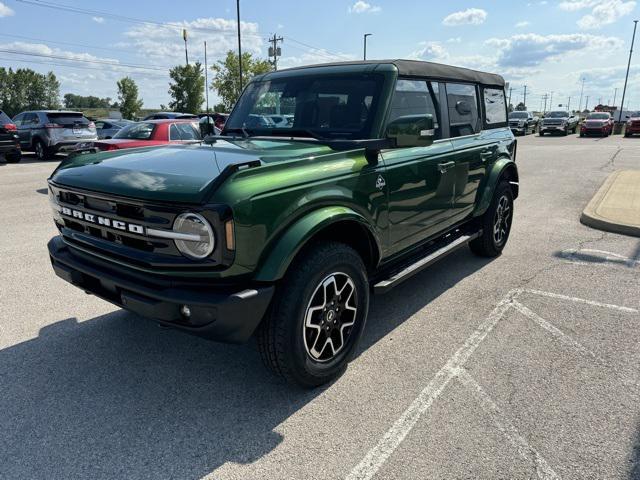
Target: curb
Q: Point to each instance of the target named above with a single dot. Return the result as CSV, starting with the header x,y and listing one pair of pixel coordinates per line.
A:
x,y
591,218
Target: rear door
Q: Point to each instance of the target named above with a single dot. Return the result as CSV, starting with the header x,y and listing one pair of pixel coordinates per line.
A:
x,y
474,147
26,124
419,180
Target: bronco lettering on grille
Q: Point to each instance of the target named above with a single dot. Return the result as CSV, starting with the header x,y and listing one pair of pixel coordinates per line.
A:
x,y
104,221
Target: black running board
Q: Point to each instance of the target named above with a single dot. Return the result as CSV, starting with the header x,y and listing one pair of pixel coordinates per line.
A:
x,y
387,284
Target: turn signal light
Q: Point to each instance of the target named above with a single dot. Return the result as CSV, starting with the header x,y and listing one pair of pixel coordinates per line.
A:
x,y
229,235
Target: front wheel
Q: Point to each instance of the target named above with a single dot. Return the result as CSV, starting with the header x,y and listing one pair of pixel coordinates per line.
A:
x,y
14,157
496,223
317,316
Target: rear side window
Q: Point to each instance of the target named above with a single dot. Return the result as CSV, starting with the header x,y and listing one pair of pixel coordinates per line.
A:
x,y
416,97
18,119
67,118
4,118
183,131
462,100
495,107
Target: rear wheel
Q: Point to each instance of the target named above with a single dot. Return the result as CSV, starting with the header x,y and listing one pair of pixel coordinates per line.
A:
x,y
496,223
317,316
41,150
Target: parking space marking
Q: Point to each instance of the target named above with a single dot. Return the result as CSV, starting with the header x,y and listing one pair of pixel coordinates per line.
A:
x,y
581,300
601,258
529,453
555,331
454,368
378,455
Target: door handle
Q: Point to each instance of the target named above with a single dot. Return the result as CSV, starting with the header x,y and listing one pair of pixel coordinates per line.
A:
x,y
486,155
443,167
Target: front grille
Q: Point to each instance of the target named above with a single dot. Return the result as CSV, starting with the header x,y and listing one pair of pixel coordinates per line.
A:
x,y
553,122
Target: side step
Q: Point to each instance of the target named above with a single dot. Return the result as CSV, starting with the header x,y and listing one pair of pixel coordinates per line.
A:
x,y
384,286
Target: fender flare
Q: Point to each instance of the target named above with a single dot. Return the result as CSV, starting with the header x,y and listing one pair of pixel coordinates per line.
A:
x,y
502,166
297,235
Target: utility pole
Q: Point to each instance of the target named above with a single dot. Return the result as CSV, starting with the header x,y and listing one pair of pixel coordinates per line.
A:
x,y
525,97
615,95
365,44
624,90
184,37
275,50
586,104
551,101
239,46
206,79
581,92
569,104
510,90
545,97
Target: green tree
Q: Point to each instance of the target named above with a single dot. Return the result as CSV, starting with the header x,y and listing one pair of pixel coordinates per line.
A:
x,y
25,89
79,101
128,98
521,107
187,88
226,76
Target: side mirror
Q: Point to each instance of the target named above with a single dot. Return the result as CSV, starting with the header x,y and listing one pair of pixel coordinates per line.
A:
x,y
412,131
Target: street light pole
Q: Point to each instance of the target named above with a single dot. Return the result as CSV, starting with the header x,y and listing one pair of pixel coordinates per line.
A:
x,y
624,90
581,92
206,78
365,44
239,45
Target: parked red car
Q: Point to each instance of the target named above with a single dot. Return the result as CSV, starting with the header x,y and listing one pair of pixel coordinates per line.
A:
x,y
633,125
597,123
151,133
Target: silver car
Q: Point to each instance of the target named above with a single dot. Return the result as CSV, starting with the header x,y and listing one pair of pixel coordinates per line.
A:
x,y
47,132
108,127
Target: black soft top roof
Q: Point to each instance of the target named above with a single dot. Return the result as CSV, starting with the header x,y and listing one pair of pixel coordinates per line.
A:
x,y
417,68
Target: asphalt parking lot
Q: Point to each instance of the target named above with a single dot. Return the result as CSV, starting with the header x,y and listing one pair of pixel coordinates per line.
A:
x,y
525,366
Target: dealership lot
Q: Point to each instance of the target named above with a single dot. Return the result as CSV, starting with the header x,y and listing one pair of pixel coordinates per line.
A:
x,y
524,366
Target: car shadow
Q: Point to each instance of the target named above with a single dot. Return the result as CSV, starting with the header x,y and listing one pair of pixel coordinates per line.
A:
x,y
119,397
635,457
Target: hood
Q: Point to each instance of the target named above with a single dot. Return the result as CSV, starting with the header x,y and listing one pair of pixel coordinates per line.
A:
x,y
176,173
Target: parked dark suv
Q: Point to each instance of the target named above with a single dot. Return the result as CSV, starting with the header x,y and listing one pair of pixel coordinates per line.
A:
x,y
47,132
522,122
285,230
9,140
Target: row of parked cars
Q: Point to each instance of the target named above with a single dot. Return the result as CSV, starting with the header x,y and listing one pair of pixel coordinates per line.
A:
x,y
564,122
47,132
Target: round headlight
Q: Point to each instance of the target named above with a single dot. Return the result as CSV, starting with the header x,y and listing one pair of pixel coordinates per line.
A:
x,y
198,241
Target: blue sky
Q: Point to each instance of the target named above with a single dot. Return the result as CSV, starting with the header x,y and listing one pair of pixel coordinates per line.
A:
x,y
547,45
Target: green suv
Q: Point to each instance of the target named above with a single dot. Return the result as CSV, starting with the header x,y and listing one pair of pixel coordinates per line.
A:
x,y
283,230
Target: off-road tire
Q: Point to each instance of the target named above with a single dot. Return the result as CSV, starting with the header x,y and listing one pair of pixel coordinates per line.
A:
x,y
566,131
486,245
281,335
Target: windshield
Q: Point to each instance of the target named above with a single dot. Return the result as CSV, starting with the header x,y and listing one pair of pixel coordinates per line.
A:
x,y
598,116
327,106
518,115
136,131
557,115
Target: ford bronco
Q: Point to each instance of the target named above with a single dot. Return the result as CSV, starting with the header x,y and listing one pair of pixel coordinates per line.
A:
x,y
283,230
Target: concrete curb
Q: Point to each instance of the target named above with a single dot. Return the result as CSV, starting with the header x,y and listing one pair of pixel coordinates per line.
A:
x,y
604,211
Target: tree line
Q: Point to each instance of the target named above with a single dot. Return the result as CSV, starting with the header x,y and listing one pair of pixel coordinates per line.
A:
x,y
24,89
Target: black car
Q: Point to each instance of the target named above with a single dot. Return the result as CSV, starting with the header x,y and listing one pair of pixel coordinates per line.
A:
x,y
9,139
168,115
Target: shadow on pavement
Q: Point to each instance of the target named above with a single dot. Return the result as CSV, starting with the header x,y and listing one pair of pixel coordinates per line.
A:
x,y
635,458
118,397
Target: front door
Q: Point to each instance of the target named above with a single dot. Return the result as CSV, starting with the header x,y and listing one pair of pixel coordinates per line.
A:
x,y
420,180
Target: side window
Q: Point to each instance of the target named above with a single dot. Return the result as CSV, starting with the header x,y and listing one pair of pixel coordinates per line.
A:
x,y
18,119
416,97
187,131
462,100
30,119
495,108
174,134
101,125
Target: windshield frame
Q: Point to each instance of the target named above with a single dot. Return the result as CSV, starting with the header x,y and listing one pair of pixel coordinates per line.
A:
x,y
119,135
370,128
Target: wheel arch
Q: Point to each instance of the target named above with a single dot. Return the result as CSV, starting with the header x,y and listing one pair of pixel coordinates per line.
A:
x,y
340,224
503,169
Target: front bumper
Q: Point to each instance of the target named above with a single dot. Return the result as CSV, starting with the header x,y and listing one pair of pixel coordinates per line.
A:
x,y
219,313
518,129
553,128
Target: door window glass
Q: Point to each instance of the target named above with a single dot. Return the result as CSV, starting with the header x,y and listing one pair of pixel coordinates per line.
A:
x,y
18,119
174,133
462,102
188,131
495,106
416,97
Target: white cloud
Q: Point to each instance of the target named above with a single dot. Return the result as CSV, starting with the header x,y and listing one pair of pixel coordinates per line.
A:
x,y
5,11
363,7
98,19
454,40
312,57
603,12
470,16
530,50
430,51
522,24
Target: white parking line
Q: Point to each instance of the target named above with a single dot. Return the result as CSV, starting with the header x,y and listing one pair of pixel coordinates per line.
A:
x,y
582,300
379,454
601,258
555,331
543,469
